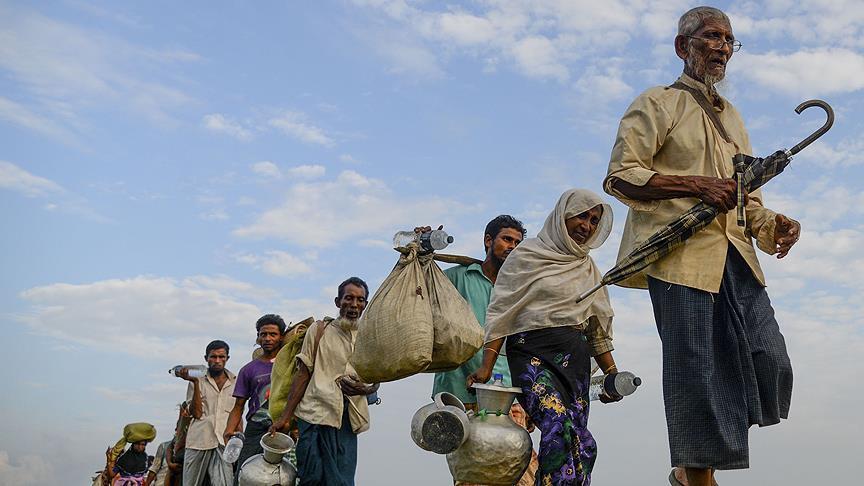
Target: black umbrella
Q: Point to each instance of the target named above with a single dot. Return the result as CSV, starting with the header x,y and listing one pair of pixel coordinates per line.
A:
x,y
751,174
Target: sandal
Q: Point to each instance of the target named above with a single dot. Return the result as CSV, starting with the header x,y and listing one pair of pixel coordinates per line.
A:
x,y
674,481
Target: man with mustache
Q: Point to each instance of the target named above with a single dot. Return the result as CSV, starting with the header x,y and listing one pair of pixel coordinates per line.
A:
x,y
475,282
725,365
327,397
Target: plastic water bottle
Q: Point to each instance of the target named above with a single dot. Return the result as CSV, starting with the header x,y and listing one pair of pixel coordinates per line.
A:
x,y
430,241
623,383
195,371
233,448
498,380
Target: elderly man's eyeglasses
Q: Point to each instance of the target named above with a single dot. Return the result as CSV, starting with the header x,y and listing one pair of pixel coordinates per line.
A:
x,y
717,43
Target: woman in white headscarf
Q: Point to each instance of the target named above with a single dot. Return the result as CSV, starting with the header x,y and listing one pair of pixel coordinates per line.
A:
x,y
550,338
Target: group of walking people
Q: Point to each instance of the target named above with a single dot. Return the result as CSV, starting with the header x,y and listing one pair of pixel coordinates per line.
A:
x,y
725,364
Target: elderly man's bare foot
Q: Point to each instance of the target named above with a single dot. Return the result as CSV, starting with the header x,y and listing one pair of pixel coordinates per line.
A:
x,y
678,477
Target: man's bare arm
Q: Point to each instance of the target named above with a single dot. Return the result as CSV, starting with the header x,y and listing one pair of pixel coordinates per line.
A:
x,y
235,419
714,191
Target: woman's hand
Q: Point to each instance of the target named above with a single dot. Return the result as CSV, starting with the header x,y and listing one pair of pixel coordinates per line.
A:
x,y
480,376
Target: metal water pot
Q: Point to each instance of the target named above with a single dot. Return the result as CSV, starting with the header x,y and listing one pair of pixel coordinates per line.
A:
x,y
272,467
497,450
440,426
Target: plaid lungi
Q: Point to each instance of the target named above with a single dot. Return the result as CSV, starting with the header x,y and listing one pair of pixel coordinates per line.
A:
x,y
725,366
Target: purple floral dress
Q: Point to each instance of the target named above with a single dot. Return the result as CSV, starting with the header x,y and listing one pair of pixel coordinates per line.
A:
x,y
553,368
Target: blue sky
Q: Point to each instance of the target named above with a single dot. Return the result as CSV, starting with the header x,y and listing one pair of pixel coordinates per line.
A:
x,y
168,173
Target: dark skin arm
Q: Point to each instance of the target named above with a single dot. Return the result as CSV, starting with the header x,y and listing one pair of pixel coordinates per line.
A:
x,y
174,467
295,394
716,192
235,419
196,407
713,191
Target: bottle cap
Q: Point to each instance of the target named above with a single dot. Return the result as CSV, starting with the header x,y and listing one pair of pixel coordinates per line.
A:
x,y
497,376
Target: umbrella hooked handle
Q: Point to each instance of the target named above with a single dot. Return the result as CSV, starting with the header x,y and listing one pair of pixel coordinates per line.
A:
x,y
818,133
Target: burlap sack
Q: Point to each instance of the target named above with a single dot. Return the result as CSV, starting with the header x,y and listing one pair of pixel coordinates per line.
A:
x,y
458,335
285,367
133,433
395,337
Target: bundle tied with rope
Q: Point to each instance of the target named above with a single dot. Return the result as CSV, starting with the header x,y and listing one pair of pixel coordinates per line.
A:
x,y
416,322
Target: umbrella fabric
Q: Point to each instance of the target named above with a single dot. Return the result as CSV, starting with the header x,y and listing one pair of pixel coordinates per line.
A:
x,y
756,172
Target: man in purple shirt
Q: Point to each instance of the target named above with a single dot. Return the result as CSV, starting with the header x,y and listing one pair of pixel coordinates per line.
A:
x,y
253,386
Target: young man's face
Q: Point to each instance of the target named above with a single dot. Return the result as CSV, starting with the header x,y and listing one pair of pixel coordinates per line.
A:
x,y
216,360
352,302
504,242
269,337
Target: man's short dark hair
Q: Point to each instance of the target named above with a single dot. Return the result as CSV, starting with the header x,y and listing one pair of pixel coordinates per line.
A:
x,y
270,319
357,281
217,344
500,222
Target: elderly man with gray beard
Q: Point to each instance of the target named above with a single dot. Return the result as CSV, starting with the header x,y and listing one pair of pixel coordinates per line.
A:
x,y
725,365
326,396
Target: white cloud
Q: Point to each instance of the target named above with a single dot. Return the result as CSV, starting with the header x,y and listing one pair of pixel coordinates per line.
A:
x,y
322,214
277,262
147,316
267,169
537,56
55,197
220,123
25,117
19,180
26,470
69,71
308,171
807,73
348,159
296,125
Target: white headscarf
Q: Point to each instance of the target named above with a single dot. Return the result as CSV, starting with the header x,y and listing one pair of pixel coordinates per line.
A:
x,y
540,280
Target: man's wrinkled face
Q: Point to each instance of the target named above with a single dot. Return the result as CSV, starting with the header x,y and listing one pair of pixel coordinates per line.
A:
x,y
706,63
269,337
352,302
216,360
504,242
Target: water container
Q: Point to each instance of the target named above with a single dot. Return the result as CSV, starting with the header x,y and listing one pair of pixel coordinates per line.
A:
x,y
623,384
233,448
498,379
195,371
434,240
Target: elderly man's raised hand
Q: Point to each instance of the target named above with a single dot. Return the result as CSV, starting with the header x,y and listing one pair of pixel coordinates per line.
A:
x,y
720,193
786,233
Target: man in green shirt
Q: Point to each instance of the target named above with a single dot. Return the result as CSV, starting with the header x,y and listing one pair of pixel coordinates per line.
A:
x,y
474,282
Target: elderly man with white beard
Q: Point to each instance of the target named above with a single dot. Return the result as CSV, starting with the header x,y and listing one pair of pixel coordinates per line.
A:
x,y
327,397
725,365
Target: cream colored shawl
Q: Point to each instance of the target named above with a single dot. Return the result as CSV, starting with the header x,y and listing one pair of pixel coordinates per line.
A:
x,y
540,279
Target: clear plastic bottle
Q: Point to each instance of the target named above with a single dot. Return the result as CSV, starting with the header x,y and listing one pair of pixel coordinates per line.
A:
x,y
623,383
195,371
233,448
429,241
498,379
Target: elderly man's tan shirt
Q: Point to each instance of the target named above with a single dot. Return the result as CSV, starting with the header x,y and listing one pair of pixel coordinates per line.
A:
x,y
206,433
323,403
665,131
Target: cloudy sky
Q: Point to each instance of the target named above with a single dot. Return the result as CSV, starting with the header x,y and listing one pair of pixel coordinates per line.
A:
x,y
168,173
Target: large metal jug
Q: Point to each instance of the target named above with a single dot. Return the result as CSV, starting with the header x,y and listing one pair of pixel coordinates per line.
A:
x,y
272,467
497,450
440,426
